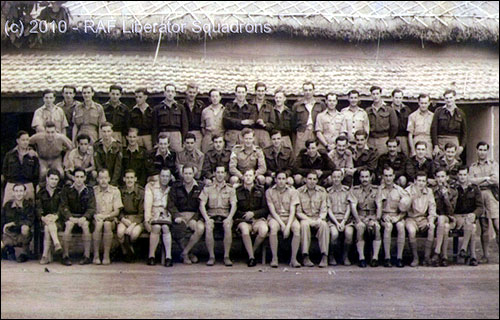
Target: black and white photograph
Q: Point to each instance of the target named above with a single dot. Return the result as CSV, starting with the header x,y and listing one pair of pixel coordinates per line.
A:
x,y
250,159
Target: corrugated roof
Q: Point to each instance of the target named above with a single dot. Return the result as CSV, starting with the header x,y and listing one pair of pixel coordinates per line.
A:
x,y
472,79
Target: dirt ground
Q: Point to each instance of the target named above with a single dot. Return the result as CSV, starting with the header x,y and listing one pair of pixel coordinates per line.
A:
x,y
197,291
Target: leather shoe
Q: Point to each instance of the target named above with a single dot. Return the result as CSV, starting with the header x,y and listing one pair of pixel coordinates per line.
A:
x,y
387,263
22,258
444,262
65,261
251,262
362,263
374,263
463,254
228,262
473,262
168,262
399,263
151,261
85,260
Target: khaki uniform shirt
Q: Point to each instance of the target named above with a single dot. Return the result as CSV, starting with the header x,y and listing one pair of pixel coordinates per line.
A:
x,y
74,159
211,119
313,203
364,199
356,120
194,159
109,201
392,196
155,201
331,124
219,199
56,115
423,203
240,161
282,201
339,200
420,124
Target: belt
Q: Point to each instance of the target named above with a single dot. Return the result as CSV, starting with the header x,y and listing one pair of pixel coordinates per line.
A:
x,y
367,212
218,211
383,134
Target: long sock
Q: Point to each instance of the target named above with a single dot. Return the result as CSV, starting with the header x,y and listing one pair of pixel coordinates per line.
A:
x,y
167,243
473,247
66,241
273,242
247,241
414,248
87,239
376,248
53,234
387,244
444,252
428,249
257,243
46,245
295,246
107,239
97,243
401,246
154,239
210,243
361,249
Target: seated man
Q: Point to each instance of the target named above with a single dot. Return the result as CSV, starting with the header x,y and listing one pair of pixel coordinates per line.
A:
x,y
83,157
449,161
392,203
315,159
48,200
282,201
215,157
420,162
183,204
18,216
108,153
339,211
156,217
218,203
131,216
312,214
108,205
245,157
50,146
394,159
279,157
363,209
190,156
469,207
446,201
161,157
251,214
77,208
421,217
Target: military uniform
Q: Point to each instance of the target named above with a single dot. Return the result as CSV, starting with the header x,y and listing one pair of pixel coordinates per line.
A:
x,y
383,125
211,121
20,168
213,159
413,165
240,161
357,119
109,158
331,124
232,117
402,112
277,161
364,200
55,115
219,199
88,119
143,122
173,121
21,216
156,162
194,158
304,121
68,112
136,160
119,116
398,164
339,201
133,204
448,126
266,113
489,168
284,124
451,167
194,119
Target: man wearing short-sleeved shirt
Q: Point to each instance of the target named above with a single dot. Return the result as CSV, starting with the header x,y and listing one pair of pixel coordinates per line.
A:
x,y
82,156
212,121
68,105
88,116
49,112
247,156
419,125
330,123
357,118
190,156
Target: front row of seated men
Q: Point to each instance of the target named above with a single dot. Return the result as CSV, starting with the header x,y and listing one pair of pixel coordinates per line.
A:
x,y
162,208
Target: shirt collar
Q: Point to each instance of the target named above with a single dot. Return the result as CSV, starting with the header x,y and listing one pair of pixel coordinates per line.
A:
x,y
159,154
137,107
236,102
91,105
79,190
15,205
133,150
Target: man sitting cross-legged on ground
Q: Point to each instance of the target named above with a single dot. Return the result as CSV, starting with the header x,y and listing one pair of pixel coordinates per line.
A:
x,y
339,211
251,214
156,217
364,212
446,201
312,214
282,201
77,208
421,217
131,215
218,204
183,204
392,204
48,201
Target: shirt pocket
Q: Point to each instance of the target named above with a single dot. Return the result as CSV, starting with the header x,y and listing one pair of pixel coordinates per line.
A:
x,y
383,121
176,117
455,122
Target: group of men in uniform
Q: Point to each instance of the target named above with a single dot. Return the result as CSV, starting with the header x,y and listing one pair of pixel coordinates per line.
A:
x,y
252,168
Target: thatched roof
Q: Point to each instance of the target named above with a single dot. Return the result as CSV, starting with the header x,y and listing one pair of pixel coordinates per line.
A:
x,y
434,21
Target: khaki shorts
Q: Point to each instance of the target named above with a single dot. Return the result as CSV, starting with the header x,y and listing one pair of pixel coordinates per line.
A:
x,y
461,220
490,204
254,226
419,222
14,238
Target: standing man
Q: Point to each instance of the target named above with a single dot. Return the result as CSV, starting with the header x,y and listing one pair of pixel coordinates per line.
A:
x,y
339,211
170,118
448,125
108,205
282,201
83,157
88,116
68,105
20,166
284,117
419,125
312,214
135,157
18,216
469,207
117,113
421,217
305,112
238,114
194,109
212,120
364,211
484,173
245,157
357,118
48,201
313,159
108,154
141,117
446,201
49,112
50,146
131,216
215,157
279,157
218,204
190,156
183,204
394,159
157,220
330,124
402,112
77,208
251,214
266,118
384,122
392,203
